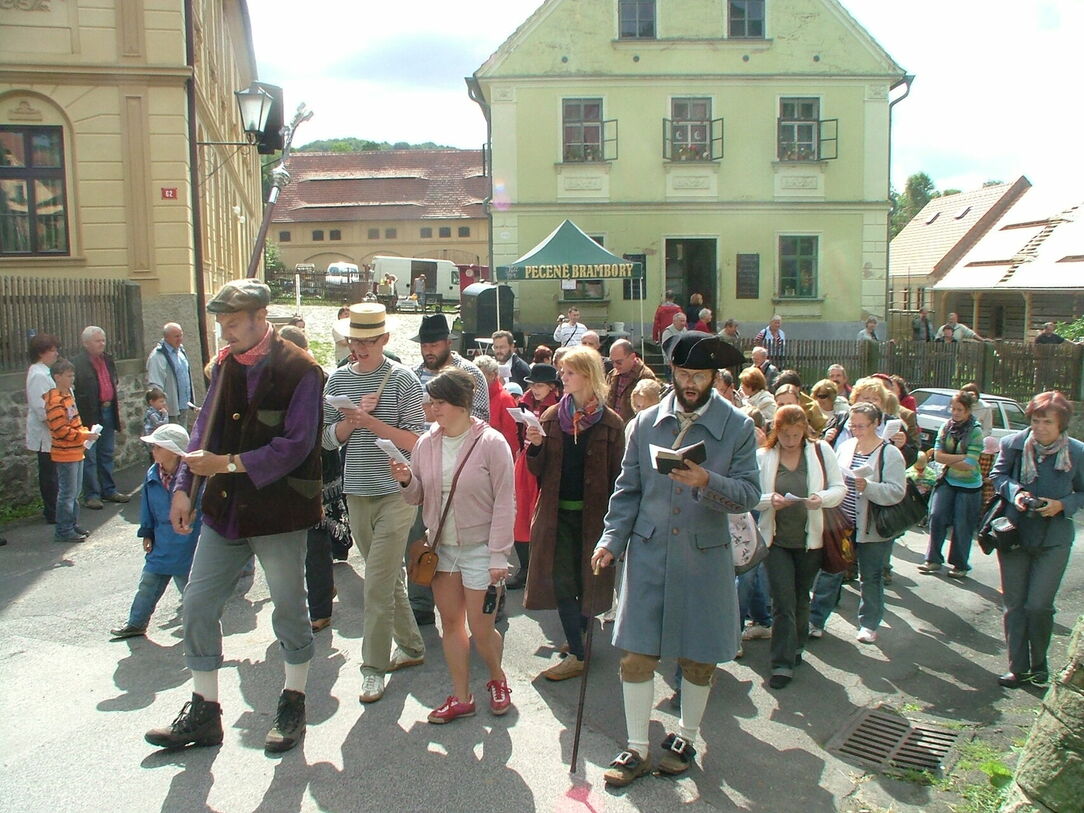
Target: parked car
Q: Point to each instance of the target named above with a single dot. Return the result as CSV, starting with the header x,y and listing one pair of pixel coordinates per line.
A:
x,y
933,413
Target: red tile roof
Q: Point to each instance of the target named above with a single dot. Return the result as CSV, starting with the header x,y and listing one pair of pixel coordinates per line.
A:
x,y
383,185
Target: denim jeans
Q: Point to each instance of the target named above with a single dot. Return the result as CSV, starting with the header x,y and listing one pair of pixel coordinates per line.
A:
x,y
68,478
150,590
872,557
753,599
960,509
826,590
98,471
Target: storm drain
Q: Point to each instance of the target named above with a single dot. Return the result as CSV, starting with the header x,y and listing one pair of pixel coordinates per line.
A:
x,y
884,739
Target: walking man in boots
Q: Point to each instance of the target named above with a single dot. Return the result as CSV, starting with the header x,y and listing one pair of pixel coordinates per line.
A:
x,y
256,446
678,597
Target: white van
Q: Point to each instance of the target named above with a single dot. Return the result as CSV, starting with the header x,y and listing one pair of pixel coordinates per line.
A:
x,y
441,276
341,274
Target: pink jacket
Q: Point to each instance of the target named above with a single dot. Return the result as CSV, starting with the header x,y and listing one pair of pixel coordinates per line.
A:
x,y
484,502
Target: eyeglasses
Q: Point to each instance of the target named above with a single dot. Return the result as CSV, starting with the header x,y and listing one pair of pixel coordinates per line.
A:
x,y
365,342
700,377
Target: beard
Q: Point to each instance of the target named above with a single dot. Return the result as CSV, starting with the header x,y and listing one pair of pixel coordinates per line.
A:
x,y
439,362
691,405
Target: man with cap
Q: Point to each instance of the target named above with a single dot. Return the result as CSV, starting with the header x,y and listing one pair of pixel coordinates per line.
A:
x,y
678,597
388,399
255,452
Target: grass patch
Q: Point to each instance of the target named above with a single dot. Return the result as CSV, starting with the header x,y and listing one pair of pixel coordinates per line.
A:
x,y
979,759
10,513
323,352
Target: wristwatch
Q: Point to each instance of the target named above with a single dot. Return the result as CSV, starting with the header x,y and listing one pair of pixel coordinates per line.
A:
x,y
231,467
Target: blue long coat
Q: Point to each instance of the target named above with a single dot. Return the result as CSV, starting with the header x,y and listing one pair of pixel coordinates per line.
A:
x,y
678,597
172,552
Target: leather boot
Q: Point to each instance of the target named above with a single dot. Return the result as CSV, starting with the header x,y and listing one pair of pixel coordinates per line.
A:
x,y
199,723
289,725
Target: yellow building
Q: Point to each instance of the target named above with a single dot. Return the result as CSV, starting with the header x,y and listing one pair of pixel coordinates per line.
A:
x,y
351,207
101,103
740,148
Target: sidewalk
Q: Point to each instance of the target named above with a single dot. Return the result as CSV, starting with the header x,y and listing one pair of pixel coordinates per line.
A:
x,y
78,704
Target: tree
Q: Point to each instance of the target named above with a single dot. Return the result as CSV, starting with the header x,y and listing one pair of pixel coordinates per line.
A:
x,y
272,258
917,192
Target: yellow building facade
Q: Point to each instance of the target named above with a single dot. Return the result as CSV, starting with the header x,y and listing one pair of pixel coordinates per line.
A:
x,y
100,103
740,149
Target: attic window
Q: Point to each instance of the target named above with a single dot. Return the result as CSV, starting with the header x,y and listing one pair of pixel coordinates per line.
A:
x,y
960,215
932,218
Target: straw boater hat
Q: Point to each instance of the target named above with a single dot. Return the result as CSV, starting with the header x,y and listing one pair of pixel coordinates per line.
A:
x,y
367,320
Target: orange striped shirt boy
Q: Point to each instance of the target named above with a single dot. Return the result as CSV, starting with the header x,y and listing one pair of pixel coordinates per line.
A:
x,y
66,428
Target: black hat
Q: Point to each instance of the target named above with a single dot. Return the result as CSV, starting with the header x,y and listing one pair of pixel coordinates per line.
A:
x,y
542,374
702,351
434,329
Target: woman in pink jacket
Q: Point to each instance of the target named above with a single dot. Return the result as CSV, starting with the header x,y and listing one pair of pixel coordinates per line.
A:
x,y
476,536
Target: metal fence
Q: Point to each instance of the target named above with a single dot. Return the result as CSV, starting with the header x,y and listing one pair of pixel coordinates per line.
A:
x,y
63,307
335,290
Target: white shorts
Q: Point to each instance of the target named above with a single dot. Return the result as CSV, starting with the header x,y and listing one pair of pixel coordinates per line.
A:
x,y
471,562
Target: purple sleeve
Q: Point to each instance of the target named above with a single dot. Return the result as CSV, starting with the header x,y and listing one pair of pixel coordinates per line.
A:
x,y
285,453
199,429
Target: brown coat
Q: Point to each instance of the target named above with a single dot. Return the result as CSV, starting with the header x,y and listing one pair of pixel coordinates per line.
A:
x,y
623,406
607,447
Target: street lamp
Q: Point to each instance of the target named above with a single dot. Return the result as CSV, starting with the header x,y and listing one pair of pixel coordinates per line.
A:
x,y
255,105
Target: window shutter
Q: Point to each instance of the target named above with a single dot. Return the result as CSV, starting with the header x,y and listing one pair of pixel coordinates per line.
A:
x,y
716,139
609,140
667,140
828,139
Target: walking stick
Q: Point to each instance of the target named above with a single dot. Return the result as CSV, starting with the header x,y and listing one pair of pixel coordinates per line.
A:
x,y
586,668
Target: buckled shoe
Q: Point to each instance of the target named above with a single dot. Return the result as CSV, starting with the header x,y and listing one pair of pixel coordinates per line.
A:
x,y
677,754
199,723
628,766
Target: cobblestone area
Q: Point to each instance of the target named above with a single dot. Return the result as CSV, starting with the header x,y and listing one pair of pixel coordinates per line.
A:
x,y
320,318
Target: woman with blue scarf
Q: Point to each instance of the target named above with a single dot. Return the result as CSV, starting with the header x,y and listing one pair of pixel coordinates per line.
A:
x,y
576,461
1040,471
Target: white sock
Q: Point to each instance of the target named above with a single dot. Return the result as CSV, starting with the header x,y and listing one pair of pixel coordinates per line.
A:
x,y
205,684
296,676
694,699
638,700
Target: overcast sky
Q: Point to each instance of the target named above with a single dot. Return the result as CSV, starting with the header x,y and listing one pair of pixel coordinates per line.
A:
x,y
995,95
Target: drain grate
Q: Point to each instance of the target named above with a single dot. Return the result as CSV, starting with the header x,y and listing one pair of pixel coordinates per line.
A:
x,y
882,738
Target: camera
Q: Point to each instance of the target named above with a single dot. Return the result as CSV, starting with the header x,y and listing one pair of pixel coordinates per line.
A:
x,y
1032,504
489,603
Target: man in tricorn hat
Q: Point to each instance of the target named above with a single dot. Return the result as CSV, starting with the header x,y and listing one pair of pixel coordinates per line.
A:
x,y
678,597
256,445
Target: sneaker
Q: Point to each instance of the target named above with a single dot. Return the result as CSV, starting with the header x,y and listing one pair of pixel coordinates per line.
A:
x,y
75,537
569,667
127,631
866,636
93,503
500,696
1040,678
816,632
372,688
199,724
628,766
929,567
81,530
756,631
289,725
957,573
452,709
116,496
401,660
677,755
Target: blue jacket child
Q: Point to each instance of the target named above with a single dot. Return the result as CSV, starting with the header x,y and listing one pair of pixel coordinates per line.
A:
x,y
169,554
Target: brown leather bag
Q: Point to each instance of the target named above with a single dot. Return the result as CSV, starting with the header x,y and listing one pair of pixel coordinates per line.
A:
x,y
422,554
838,533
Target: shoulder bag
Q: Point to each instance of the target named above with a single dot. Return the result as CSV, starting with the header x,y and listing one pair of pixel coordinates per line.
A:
x,y
746,543
838,534
996,531
422,553
890,521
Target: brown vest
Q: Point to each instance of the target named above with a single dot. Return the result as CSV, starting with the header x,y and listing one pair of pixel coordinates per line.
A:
x,y
289,504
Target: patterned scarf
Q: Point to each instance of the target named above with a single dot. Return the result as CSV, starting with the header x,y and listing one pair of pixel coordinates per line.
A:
x,y
574,420
166,478
1035,452
960,431
253,354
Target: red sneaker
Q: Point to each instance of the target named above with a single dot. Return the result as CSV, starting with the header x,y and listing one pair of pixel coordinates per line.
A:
x,y
452,709
500,696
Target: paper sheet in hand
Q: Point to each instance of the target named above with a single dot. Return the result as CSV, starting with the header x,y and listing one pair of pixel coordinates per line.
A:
x,y
863,471
529,418
504,370
340,402
665,460
893,426
793,497
392,451
96,429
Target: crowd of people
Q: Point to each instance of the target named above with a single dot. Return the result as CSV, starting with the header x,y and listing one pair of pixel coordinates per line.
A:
x,y
606,482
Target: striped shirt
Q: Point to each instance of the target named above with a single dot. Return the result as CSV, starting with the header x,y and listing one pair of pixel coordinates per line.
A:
x,y
366,472
65,427
850,499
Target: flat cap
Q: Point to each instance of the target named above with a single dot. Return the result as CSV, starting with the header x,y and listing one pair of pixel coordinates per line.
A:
x,y
240,295
697,350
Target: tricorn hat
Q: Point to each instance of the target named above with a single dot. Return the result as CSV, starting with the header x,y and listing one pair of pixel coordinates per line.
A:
x,y
367,320
702,351
240,295
542,374
434,328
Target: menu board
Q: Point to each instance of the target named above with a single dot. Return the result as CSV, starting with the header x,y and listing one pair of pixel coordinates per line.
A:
x,y
748,277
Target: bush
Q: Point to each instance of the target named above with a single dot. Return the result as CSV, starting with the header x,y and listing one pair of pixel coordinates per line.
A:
x,y
1073,331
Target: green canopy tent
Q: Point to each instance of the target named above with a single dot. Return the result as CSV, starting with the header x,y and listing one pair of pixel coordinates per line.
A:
x,y
569,254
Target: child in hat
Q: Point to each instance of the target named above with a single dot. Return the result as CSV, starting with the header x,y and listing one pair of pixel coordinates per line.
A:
x,y
169,554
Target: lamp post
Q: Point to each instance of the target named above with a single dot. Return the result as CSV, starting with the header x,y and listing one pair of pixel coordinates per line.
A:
x,y
254,103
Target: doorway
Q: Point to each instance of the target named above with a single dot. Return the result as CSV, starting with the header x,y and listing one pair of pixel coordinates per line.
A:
x,y
691,267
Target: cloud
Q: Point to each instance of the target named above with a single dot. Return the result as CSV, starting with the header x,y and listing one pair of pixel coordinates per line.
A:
x,y
425,61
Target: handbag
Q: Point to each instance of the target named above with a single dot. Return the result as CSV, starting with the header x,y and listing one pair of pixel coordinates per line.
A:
x,y
891,521
746,543
422,553
996,531
837,538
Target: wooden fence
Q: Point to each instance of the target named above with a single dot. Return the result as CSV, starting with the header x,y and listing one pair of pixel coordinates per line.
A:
x,y
63,307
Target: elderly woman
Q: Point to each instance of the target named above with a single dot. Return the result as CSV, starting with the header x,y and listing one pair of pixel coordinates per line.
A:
x,y
957,497
500,401
1040,471
473,533
43,352
828,400
576,463
793,466
754,389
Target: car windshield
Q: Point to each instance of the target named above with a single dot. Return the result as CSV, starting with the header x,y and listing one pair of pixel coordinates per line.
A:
x,y
933,403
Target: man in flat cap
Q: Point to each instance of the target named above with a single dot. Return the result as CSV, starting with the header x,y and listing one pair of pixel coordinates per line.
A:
x,y
255,452
678,597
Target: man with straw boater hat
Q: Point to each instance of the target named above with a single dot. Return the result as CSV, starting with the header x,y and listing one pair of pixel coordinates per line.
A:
x,y
255,452
386,400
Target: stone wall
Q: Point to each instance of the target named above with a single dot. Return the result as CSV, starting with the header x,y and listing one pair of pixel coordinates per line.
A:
x,y
18,467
